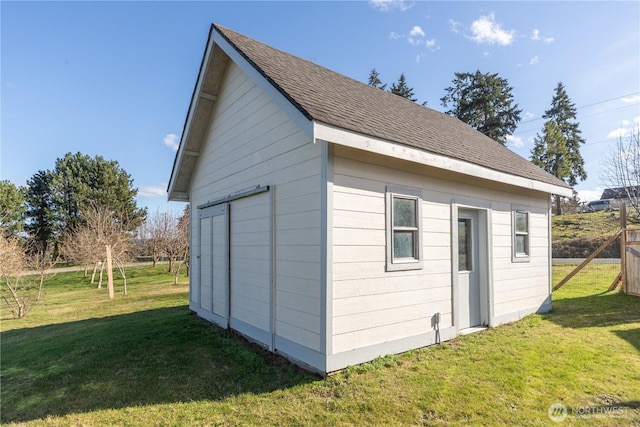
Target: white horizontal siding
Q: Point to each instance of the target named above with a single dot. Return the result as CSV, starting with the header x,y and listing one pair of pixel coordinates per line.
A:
x,y
251,142
371,305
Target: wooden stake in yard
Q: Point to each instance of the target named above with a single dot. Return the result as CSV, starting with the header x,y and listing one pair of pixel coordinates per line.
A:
x,y
623,246
110,273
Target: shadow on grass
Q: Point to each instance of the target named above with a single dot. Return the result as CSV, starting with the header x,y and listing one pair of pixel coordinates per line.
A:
x,y
149,357
632,336
605,310
598,310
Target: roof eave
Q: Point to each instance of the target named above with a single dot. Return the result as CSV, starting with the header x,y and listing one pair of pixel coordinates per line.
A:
x,y
202,104
347,138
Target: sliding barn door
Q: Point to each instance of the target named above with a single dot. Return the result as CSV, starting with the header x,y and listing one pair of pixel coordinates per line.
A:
x,y
213,257
250,266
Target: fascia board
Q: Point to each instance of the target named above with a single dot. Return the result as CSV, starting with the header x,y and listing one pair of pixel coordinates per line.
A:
x,y
346,138
191,112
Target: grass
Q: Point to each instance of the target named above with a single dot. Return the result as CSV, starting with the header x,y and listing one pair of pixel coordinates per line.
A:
x,y
584,225
143,359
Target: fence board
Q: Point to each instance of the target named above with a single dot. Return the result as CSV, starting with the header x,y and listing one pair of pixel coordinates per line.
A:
x,y
632,262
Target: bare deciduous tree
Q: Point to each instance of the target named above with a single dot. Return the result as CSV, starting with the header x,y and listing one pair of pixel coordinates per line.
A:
x,y
12,265
155,234
87,243
621,170
43,263
181,242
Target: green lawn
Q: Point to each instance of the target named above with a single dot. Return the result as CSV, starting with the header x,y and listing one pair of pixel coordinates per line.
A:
x,y
143,359
590,224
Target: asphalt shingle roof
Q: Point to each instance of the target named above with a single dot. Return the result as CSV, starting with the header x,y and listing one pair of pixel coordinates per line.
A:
x,y
331,98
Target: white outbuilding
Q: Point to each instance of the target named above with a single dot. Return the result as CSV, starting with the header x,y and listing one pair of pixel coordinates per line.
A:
x,y
333,222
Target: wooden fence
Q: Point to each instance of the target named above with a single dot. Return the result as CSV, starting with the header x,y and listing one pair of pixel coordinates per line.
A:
x,y
629,277
632,262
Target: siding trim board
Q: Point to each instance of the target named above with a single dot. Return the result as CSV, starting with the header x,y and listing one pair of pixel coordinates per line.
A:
x,y
338,361
326,248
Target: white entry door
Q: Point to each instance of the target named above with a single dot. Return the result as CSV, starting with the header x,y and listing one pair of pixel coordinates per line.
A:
x,y
469,313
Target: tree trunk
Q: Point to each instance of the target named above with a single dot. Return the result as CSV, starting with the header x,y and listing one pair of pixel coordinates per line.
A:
x,y
21,305
100,278
40,285
124,277
175,277
93,275
558,205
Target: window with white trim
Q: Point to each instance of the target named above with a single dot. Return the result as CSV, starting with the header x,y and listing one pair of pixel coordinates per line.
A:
x,y
404,230
521,238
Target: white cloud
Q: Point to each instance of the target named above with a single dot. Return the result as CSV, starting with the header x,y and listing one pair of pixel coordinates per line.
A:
x,y
172,141
454,26
535,35
391,5
486,30
516,141
618,133
589,195
534,60
636,119
153,191
416,31
630,99
414,36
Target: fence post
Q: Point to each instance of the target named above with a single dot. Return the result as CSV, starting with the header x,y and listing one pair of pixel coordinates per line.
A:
x,y
623,247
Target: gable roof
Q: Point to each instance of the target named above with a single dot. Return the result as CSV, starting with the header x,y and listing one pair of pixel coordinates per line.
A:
x,y
324,96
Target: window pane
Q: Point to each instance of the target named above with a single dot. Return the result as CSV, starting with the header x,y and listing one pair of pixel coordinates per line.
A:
x,y
464,245
521,245
404,212
522,219
403,243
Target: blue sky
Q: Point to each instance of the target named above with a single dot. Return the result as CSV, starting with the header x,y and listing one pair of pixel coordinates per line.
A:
x,y
115,78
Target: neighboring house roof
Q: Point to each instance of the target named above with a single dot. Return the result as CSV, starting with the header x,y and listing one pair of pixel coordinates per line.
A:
x,y
324,96
620,193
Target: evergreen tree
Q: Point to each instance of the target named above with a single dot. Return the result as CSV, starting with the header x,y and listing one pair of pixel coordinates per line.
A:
x,y
374,80
563,113
11,209
39,211
402,89
550,151
80,181
557,150
485,102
